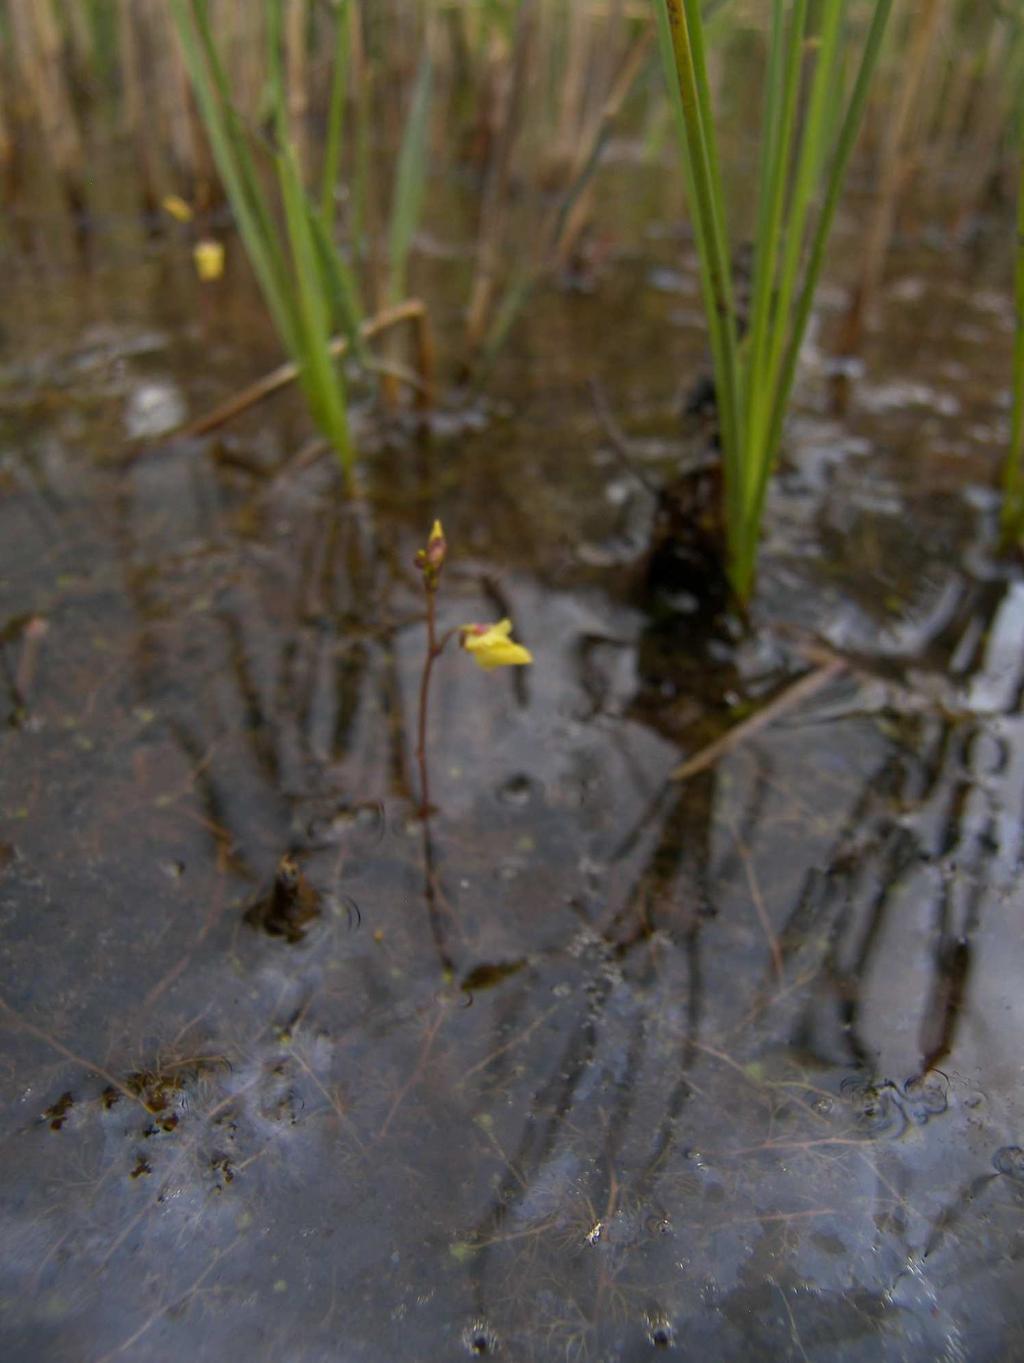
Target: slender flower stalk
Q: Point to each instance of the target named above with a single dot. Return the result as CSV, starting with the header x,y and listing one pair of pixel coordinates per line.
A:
x,y
430,561
490,646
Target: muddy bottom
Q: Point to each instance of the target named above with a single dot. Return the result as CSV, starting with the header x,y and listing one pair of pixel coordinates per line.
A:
x,y
598,1063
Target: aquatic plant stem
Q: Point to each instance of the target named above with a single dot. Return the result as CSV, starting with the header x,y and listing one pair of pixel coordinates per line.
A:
x,y
430,562
434,651
812,273
780,116
680,32
759,461
435,647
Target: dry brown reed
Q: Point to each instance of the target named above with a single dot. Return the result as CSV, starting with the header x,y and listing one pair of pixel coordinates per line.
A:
x,y
38,57
898,159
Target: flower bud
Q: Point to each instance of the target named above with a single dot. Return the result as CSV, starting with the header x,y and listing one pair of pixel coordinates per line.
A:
x,y
437,548
430,560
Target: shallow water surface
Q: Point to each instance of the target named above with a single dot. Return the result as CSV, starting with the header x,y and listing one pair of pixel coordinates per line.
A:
x,y
596,1064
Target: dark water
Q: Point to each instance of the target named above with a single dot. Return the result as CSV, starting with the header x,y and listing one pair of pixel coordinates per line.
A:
x,y
723,1069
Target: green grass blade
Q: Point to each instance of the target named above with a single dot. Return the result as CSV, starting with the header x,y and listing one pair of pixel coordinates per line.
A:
x,y
696,21
340,287
253,194
235,164
811,158
681,69
837,175
770,122
322,380
410,178
783,90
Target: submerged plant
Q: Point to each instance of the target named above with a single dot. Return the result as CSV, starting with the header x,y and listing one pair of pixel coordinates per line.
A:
x,y
491,646
806,145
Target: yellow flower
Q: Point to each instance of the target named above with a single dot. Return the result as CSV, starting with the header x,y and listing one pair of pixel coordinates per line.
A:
x,y
491,646
209,258
178,208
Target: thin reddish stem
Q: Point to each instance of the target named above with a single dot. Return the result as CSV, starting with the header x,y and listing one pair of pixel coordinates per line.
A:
x,y
433,653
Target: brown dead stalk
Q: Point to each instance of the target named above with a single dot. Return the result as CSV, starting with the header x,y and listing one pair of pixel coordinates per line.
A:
x,y
413,311
808,685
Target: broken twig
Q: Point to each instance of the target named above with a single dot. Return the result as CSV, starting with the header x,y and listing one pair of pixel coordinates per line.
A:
x,y
412,311
807,685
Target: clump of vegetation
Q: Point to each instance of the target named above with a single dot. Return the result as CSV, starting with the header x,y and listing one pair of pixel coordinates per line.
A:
x,y
806,143
309,286
296,101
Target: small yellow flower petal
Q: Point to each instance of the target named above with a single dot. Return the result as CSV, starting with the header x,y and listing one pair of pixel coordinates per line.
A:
x,y
491,646
209,259
178,208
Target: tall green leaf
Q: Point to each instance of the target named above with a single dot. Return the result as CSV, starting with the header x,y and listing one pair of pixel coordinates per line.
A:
x,y
410,179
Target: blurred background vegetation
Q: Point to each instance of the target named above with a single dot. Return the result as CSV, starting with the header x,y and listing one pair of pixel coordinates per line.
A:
x,y
462,154
532,100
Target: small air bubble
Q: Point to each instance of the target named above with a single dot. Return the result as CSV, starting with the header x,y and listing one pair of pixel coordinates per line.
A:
x,y
517,791
928,1096
371,816
659,1333
480,1339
